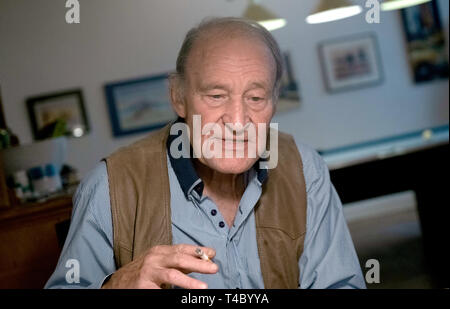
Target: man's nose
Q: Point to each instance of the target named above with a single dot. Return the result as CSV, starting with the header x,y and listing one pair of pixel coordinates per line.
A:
x,y
236,112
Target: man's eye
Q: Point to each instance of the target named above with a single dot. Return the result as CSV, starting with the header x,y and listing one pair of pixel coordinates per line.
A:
x,y
216,96
256,99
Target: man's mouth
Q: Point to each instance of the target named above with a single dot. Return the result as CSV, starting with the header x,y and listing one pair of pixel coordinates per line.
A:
x,y
235,140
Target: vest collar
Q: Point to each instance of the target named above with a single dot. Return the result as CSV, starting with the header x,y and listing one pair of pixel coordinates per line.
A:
x,y
185,171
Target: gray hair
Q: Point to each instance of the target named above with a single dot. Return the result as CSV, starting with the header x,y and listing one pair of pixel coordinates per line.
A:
x,y
229,25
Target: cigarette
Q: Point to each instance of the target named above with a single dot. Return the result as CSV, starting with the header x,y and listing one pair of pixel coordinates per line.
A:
x,y
201,254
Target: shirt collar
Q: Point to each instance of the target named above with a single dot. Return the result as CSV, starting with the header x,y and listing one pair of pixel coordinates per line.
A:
x,y
185,171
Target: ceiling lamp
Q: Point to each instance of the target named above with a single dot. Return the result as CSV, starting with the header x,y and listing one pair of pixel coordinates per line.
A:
x,y
263,16
330,10
389,5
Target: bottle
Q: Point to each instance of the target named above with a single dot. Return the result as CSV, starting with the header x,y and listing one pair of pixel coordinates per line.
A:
x,y
54,182
38,181
22,186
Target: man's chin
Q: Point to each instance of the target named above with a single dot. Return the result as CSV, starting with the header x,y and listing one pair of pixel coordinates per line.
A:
x,y
230,165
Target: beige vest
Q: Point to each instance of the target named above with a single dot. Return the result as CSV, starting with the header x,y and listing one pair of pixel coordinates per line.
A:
x,y
140,204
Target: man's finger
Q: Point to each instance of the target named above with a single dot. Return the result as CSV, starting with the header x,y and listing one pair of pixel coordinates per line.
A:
x,y
191,250
177,278
188,263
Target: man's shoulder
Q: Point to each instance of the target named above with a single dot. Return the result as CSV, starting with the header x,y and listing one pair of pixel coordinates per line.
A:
x,y
95,177
309,156
92,195
307,152
314,166
94,184
149,143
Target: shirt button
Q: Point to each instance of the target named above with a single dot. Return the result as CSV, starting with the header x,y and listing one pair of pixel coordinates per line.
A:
x,y
213,212
222,224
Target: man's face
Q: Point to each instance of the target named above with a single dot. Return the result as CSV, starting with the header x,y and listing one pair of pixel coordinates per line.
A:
x,y
229,82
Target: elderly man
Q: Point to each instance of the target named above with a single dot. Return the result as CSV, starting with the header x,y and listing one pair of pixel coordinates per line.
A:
x,y
147,217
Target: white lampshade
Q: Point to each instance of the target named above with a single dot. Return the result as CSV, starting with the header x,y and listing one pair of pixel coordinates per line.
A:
x,y
330,10
389,5
264,17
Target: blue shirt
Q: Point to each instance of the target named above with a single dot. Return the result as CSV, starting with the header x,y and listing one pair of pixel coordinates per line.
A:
x,y
328,261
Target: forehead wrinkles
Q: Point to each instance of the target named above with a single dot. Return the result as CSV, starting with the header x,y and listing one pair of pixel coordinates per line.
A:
x,y
212,55
231,64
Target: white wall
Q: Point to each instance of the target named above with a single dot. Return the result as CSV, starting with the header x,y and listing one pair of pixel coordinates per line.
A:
x,y
118,39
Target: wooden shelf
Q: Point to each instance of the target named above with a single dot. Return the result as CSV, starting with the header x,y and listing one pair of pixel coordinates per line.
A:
x,y
37,210
31,241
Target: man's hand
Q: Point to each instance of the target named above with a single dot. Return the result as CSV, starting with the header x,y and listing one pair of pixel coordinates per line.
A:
x,y
164,265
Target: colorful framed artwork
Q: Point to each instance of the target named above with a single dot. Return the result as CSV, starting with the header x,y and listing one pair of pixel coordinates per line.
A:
x,y
139,105
351,62
425,40
56,114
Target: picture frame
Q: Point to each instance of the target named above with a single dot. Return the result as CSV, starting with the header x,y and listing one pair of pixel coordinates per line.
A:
x,y
289,96
425,41
139,105
351,62
61,113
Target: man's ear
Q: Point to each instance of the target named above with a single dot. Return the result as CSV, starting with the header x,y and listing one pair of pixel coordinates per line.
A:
x,y
176,96
275,104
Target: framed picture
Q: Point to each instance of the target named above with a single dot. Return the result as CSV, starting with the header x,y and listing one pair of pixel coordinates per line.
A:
x,y
139,105
351,62
58,114
425,42
289,97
